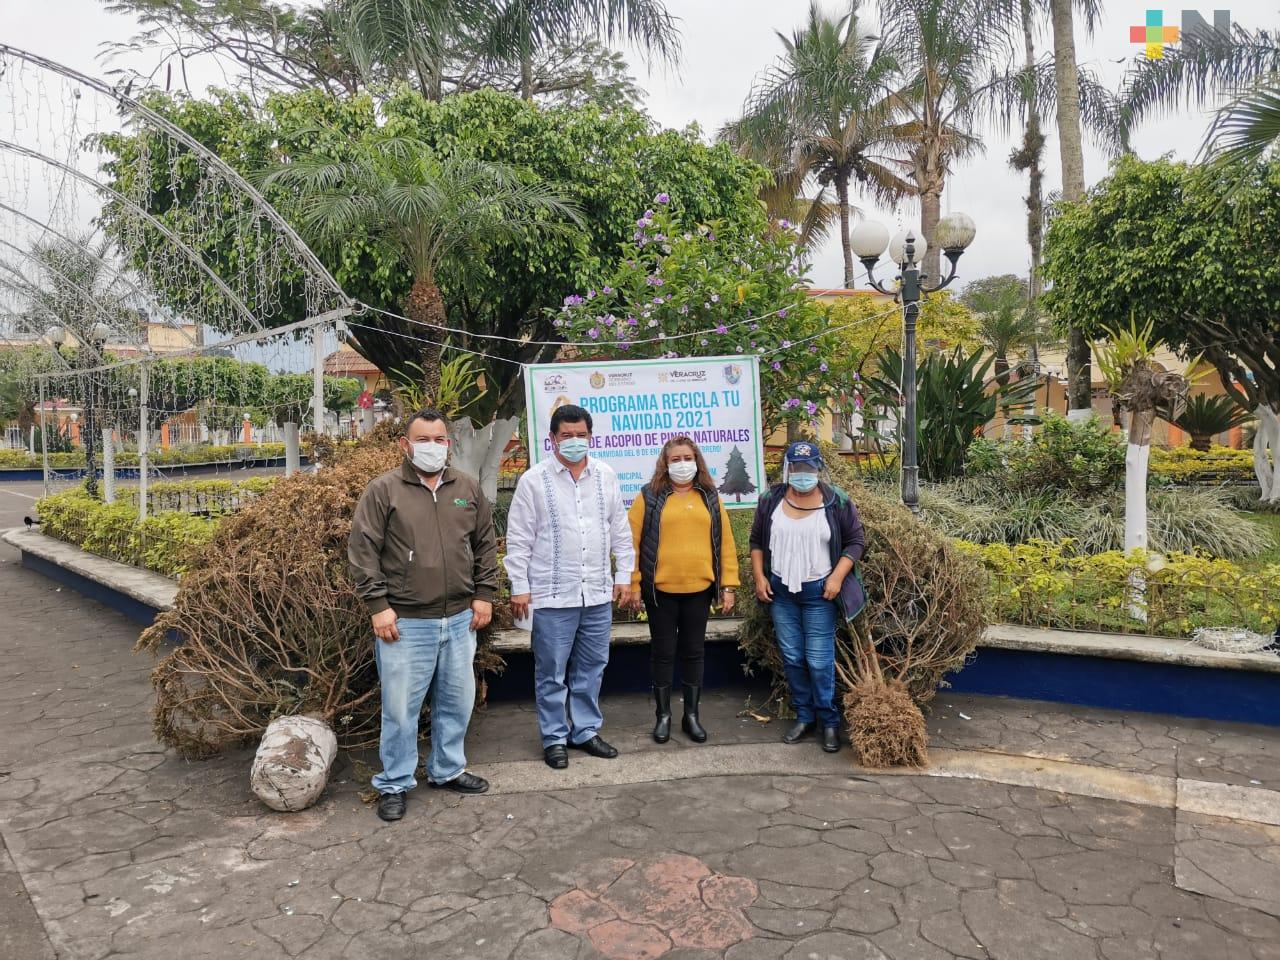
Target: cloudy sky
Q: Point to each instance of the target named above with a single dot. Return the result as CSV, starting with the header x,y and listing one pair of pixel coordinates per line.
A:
x,y
726,43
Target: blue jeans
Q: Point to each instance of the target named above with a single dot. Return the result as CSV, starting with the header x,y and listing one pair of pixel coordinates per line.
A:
x,y
805,625
442,651
570,650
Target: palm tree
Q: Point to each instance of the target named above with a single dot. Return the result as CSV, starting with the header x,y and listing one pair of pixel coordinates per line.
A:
x,y
429,210
1071,152
1006,321
516,30
1244,65
948,50
400,39
1030,155
825,112
1205,416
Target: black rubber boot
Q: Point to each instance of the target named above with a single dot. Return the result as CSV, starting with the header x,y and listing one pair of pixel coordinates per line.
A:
x,y
662,697
690,723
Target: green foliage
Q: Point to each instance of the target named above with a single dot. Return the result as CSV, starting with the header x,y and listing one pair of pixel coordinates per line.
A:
x,y
721,288
1206,415
986,510
825,114
163,542
1006,318
192,454
607,165
1185,464
955,400
1083,458
1048,584
1157,233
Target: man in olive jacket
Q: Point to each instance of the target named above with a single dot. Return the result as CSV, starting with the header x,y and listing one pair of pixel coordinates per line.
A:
x,y
424,558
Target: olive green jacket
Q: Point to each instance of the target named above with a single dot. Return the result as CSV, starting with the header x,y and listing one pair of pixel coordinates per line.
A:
x,y
425,554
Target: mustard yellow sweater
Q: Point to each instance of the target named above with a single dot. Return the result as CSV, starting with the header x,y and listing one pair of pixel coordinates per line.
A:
x,y
684,548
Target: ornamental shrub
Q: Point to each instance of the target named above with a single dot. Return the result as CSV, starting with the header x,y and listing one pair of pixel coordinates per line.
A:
x,y
165,543
269,621
1083,458
1047,584
1185,465
1180,519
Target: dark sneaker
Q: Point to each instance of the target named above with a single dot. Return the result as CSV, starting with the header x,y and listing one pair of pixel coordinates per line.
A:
x,y
463,783
597,748
556,756
799,730
391,806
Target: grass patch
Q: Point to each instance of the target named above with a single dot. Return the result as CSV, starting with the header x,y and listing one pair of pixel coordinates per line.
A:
x,y
1270,525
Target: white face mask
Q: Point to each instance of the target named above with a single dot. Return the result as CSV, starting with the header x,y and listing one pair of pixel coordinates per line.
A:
x,y
430,457
682,471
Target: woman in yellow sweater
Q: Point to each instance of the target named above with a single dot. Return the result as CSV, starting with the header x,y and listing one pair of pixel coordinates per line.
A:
x,y
685,557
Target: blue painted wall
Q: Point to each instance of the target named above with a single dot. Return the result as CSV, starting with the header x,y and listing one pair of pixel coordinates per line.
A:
x,y
1231,695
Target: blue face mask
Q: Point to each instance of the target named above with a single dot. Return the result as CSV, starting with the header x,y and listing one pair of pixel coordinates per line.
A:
x,y
574,449
803,482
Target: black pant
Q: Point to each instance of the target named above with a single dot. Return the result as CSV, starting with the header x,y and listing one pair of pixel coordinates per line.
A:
x,y
677,622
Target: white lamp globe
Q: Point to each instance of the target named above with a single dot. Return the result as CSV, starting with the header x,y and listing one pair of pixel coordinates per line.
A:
x,y
868,239
100,333
898,245
56,335
955,231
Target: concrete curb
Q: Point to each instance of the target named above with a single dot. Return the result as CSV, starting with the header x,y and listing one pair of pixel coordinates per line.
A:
x,y
1244,804
158,592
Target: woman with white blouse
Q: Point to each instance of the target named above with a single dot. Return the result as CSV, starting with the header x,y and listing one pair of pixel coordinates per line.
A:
x,y
805,540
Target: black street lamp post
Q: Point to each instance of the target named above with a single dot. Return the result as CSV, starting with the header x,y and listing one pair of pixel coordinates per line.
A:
x,y
955,232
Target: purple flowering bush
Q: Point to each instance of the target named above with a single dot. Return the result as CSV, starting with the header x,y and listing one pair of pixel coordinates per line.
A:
x,y
719,289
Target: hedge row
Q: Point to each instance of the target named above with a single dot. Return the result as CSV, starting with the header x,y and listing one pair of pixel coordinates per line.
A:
x,y
164,542
202,453
1046,584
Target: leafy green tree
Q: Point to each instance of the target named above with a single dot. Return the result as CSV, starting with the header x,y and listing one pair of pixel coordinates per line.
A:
x,y
438,47
826,112
607,165
428,209
722,288
1158,234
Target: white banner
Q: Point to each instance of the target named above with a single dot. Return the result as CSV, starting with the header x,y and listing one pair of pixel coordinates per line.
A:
x,y
637,405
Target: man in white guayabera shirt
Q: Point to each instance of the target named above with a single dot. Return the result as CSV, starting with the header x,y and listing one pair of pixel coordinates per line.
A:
x,y
566,521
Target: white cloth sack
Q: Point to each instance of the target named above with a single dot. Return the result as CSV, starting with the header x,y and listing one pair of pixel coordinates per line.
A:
x,y
292,764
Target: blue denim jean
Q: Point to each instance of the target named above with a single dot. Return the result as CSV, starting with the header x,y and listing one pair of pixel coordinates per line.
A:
x,y
805,625
435,655
570,651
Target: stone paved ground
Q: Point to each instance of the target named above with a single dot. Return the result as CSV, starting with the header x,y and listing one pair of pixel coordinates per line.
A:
x,y
128,852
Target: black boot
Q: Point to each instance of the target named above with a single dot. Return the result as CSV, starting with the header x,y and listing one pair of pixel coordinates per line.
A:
x,y
690,723
799,730
662,697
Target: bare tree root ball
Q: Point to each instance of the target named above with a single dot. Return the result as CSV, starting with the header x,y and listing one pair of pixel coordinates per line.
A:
x,y
885,726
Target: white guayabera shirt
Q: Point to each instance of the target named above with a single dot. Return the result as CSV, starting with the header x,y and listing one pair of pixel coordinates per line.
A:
x,y
561,534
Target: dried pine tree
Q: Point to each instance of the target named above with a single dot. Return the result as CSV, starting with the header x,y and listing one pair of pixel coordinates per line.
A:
x,y
268,622
923,619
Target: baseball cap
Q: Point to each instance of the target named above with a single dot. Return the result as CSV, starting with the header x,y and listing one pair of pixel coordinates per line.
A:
x,y
804,451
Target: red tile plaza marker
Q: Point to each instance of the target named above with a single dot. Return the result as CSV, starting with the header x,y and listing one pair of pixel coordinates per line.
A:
x,y
1154,34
